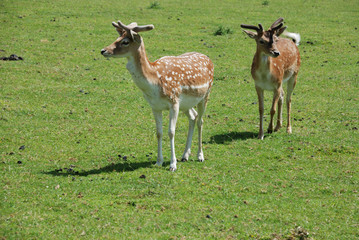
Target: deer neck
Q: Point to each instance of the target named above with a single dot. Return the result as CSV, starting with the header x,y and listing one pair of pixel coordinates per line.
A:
x,y
262,60
141,69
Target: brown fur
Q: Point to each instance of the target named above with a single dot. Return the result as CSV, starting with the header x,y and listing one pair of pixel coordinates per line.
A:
x,y
189,70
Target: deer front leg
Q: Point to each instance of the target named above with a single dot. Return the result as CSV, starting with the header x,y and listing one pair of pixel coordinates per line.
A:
x,y
280,107
192,115
260,94
276,95
158,118
171,133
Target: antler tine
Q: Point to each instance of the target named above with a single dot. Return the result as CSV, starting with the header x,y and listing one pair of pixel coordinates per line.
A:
x,y
143,28
278,21
260,27
250,27
115,25
123,26
277,27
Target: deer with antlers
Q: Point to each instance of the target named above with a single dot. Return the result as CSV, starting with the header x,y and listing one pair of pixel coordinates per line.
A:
x,y
275,62
171,83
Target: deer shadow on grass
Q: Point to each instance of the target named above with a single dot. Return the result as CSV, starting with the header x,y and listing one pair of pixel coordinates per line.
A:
x,y
124,166
231,136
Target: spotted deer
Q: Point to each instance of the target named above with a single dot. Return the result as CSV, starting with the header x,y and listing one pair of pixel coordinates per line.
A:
x,y
275,62
171,83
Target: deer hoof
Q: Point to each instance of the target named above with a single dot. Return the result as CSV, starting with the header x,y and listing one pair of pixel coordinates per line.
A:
x,y
184,160
172,169
159,163
200,157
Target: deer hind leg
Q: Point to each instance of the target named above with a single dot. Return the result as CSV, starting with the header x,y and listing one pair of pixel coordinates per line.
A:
x,y
171,133
276,97
158,118
192,116
291,84
280,108
260,94
201,107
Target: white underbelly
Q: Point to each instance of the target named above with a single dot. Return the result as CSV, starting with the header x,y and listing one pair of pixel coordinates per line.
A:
x,y
157,103
265,81
188,102
162,103
265,84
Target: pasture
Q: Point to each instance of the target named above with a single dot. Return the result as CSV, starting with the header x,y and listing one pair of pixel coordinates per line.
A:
x,y
78,140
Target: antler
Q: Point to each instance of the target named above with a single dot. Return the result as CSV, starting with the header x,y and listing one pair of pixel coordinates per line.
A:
x,y
277,24
259,29
143,28
133,27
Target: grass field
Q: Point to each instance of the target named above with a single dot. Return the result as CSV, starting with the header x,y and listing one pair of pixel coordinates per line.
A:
x,y
78,141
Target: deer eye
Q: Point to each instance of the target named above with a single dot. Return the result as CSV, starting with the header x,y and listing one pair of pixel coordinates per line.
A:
x,y
125,42
261,41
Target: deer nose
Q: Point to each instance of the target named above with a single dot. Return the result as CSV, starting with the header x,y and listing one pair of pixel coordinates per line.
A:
x,y
276,53
103,51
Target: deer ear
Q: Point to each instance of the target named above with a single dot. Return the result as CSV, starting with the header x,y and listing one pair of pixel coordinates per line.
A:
x,y
250,34
280,31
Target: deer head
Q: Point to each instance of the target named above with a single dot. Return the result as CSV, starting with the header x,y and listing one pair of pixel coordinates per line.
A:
x,y
128,41
266,40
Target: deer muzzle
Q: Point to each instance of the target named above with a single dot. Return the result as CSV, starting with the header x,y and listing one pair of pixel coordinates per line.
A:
x,y
275,53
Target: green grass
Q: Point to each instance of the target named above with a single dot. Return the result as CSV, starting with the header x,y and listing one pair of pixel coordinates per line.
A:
x,y
75,112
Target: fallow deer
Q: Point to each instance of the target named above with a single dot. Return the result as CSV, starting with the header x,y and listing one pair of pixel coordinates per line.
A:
x,y
275,62
170,83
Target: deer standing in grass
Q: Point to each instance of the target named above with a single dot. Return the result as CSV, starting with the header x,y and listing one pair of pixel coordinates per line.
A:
x,y
275,62
170,83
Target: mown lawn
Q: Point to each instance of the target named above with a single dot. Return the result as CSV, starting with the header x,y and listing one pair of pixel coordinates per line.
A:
x,y
78,141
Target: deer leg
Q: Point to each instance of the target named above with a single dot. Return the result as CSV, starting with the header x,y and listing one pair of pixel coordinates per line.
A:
x,y
192,115
291,84
260,94
201,107
158,118
276,97
171,133
280,108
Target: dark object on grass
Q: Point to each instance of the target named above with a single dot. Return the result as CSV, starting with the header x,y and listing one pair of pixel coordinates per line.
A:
x,y
143,176
13,57
222,31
